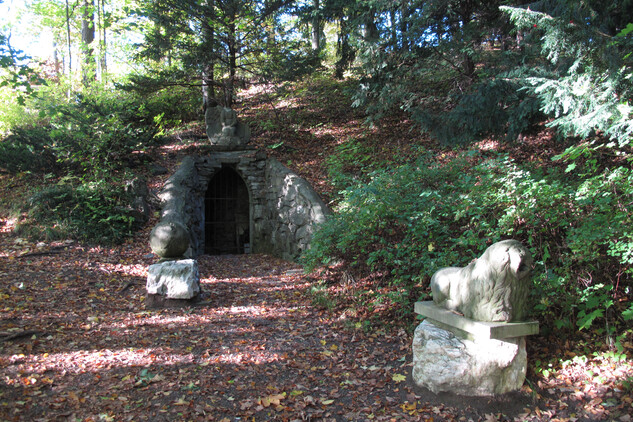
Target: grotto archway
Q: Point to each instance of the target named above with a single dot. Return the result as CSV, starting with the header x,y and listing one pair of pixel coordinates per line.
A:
x,y
226,214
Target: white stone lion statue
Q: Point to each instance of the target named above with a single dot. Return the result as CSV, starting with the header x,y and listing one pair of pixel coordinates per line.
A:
x,y
492,288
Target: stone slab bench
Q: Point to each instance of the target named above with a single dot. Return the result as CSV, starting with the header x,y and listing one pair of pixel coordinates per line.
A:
x,y
452,353
477,329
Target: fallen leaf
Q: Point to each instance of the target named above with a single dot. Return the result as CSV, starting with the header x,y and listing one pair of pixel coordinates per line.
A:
x,y
399,377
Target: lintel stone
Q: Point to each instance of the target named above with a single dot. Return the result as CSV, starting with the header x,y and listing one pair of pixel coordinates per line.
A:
x,y
479,329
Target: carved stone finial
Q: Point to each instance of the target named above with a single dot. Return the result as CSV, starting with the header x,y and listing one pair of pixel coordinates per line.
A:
x,y
224,129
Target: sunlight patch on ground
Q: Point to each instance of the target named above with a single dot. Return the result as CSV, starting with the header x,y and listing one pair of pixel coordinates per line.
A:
x,y
139,270
256,357
7,226
592,381
198,320
256,89
29,369
488,145
288,102
80,361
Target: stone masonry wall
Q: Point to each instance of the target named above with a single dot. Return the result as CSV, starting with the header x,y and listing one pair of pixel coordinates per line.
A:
x,y
292,211
284,208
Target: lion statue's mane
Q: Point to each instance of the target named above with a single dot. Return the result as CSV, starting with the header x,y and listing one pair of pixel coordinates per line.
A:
x,y
492,288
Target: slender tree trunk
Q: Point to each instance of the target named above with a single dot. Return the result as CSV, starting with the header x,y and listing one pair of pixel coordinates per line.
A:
x,y
370,30
404,24
70,53
345,52
103,63
56,61
468,63
87,37
394,31
208,68
230,85
316,27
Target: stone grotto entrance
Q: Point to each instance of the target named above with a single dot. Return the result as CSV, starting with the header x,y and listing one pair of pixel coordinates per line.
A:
x,y
226,214
231,198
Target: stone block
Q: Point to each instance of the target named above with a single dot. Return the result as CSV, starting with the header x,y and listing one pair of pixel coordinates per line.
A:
x,y
446,362
174,279
478,329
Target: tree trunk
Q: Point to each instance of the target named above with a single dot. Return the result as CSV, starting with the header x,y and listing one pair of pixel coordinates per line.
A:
x,y
87,37
316,27
370,30
468,63
229,93
58,69
404,24
345,52
208,67
103,64
394,31
70,54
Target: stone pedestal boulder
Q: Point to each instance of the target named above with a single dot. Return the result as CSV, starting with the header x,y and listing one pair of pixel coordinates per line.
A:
x,y
169,239
172,283
447,362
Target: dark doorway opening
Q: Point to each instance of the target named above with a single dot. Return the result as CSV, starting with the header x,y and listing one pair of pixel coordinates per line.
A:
x,y
226,212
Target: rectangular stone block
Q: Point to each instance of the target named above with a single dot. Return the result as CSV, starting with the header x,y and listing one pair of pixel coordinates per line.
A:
x,y
478,329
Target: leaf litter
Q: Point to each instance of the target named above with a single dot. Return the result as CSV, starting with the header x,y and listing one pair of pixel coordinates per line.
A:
x,y
255,348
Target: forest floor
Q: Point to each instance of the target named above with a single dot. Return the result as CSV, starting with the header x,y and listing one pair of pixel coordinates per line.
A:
x,y
77,342
79,345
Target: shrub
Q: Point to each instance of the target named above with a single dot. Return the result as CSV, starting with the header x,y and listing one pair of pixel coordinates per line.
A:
x,y
93,211
93,133
27,149
98,132
408,222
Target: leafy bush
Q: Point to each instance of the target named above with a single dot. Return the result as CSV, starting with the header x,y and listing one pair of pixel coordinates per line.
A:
x,y
163,93
351,157
27,149
87,140
93,133
96,211
98,131
408,222
13,113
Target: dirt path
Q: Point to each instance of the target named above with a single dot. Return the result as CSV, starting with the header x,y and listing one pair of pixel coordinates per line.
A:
x,y
77,344
256,347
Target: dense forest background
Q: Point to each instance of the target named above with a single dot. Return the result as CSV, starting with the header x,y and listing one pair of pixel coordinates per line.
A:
x,y
433,129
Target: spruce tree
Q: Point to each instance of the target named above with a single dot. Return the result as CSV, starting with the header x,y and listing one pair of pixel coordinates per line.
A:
x,y
586,82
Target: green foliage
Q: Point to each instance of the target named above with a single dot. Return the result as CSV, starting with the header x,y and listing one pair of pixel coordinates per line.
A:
x,y
93,211
88,141
291,62
410,221
168,91
13,114
100,130
321,297
14,73
27,149
94,132
493,107
350,158
589,86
